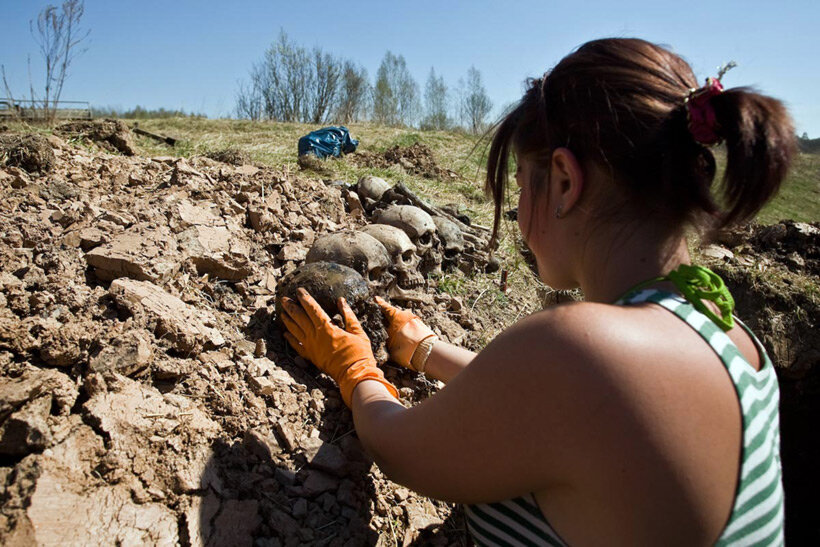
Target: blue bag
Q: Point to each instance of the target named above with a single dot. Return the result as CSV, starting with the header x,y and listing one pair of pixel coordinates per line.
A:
x,y
328,141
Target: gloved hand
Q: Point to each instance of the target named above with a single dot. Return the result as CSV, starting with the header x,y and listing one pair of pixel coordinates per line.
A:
x,y
405,331
344,355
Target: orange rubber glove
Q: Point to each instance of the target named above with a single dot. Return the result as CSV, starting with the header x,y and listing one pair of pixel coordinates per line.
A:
x,y
405,331
344,355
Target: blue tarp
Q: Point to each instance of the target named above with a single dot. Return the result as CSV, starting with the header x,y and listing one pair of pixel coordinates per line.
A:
x,y
328,141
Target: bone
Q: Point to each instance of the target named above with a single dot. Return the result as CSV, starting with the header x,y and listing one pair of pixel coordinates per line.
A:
x,y
356,250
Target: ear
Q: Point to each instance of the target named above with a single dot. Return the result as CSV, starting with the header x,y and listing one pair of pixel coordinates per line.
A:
x,y
566,180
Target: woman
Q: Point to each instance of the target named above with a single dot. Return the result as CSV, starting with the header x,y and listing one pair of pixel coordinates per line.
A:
x,y
644,415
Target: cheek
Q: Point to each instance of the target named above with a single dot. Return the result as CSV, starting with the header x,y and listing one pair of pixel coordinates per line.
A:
x,y
524,212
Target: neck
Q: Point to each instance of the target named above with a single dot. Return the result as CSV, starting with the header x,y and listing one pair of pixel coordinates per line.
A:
x,y
613,264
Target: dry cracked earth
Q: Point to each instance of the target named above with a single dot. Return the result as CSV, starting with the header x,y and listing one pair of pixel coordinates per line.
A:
x,y
147,395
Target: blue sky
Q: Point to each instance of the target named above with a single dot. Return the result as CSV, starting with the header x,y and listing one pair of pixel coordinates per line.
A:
x,y
191,54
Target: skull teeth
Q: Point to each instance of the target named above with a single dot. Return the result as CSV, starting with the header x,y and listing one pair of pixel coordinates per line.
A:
x,y
411,284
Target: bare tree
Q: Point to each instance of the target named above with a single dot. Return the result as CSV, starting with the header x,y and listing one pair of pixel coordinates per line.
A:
x,y
284,78
9,93
59,36
435,103
395,97
291,84
328,72
385,102
249,101
297,78
475,103
353,94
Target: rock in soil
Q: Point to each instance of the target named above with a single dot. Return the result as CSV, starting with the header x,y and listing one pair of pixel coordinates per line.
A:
x,y
187,328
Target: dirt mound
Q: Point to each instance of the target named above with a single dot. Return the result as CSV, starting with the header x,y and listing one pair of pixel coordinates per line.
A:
x,y
310,162
30,152
794,244
147,394
233,156
112,135
774,274
416,159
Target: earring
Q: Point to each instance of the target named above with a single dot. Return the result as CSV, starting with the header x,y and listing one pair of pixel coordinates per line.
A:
x,y
558,211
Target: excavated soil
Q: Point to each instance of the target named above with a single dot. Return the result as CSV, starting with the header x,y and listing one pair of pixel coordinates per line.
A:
x,y
32,153
234,156
146,392
111,135
416,159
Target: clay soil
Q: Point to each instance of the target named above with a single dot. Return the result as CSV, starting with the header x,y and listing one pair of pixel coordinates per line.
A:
x,y
147,394
415,159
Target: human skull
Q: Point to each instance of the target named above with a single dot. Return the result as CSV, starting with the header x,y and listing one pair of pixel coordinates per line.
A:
x,y
451,239
403,253
326,282
372,188
421,229
356,250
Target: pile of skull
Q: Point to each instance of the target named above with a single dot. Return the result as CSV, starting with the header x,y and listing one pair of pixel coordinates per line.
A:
x,y
394,254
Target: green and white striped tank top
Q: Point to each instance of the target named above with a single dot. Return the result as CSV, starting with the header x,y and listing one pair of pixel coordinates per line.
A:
x,y
757,513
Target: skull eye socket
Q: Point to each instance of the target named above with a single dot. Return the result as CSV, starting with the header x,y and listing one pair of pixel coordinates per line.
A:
x,y
375,274
450,253
426,239
407,256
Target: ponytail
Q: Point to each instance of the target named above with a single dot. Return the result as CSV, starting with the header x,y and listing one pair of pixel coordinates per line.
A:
x,y
635,110
760,143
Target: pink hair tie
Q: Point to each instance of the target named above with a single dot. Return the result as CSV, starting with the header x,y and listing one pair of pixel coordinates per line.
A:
x,y
701,113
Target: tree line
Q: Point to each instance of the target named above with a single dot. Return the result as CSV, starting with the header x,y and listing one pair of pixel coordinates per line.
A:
x,y
142,113
294,84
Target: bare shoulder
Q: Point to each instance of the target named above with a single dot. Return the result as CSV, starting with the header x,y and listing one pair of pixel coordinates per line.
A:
x,y
576,332
608,351
599,348
570,349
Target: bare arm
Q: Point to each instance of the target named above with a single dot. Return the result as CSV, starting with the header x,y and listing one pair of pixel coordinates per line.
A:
x,y
446,361
510,423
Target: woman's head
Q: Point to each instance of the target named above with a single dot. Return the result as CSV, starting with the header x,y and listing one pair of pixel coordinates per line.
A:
x,y
619,106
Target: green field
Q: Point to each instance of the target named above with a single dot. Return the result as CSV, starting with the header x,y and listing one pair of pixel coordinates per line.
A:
x,y
799,198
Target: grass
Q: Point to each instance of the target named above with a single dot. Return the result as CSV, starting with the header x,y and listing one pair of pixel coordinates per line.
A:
x,y
799,195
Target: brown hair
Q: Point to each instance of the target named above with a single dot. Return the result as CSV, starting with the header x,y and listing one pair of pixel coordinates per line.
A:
x,y
620,104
